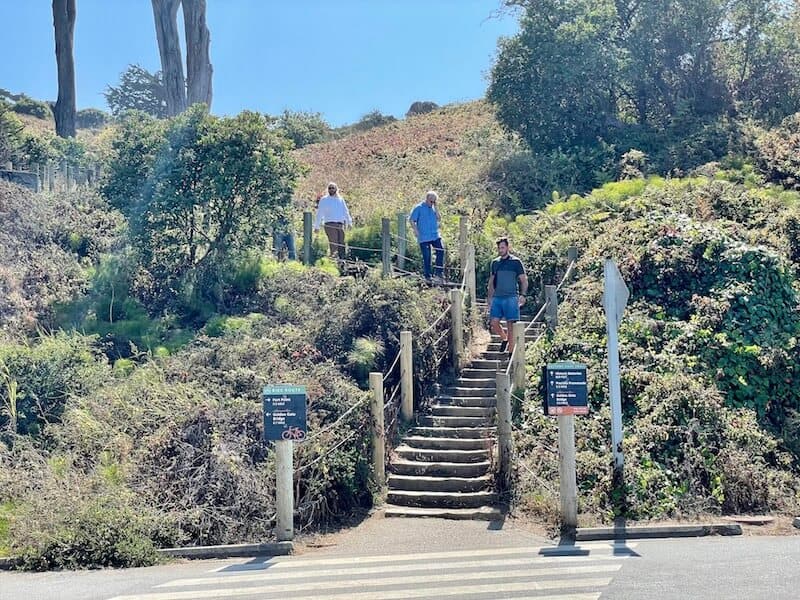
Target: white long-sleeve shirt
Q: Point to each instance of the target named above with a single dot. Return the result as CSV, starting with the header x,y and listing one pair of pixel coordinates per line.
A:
x,y
332,209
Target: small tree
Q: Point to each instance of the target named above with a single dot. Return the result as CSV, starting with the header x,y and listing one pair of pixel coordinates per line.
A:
x,y
303,128
138,89
198,193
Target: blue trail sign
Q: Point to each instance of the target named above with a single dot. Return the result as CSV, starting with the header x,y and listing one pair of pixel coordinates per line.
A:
x,y
284,412
565,389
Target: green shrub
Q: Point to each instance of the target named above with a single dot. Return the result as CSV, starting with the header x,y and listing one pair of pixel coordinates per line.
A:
x,y
91,118
35,108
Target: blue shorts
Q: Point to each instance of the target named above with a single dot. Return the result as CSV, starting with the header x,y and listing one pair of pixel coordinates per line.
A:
x,y
505,308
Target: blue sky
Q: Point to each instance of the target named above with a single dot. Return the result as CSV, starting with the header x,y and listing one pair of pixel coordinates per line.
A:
x,y
342,58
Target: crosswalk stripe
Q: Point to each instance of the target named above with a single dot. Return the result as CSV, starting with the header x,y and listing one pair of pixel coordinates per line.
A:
x,y
539,569
501,587
578,550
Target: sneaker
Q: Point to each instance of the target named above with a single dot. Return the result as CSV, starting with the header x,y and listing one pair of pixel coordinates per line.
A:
x,y
503,345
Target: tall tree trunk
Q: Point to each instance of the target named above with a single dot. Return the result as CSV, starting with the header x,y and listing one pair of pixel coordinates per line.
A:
x,y
165,13
198,63
64,26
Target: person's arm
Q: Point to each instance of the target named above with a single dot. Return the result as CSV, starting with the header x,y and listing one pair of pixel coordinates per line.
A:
x,y
413,220
348,220
490,289
318,220
523,288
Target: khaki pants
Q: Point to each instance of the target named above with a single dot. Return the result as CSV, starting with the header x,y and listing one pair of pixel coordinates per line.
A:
x,y
335,233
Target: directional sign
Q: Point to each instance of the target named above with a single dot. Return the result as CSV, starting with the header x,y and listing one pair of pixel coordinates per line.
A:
x,y
565,389
284,412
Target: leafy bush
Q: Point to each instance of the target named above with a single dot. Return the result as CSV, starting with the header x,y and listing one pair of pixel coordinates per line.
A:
x,y
777,152
35,108
303,128
90,118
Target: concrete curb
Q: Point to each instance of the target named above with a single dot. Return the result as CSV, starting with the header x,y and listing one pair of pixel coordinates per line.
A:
x,y
230,550
590,534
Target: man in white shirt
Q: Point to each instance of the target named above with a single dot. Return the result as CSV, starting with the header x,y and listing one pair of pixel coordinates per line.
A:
x,y
333,214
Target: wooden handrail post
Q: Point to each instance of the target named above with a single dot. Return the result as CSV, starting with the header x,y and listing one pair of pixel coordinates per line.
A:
x,y
505,447
551,314
402,240
457,327
378,434
518,368
471,274
406,377
386,246
307,238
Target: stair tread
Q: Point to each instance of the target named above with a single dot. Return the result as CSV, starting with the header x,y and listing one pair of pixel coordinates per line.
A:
x,y
481,512
420,493
439,478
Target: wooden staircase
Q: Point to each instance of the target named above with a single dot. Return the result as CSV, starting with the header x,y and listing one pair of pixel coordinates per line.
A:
x,y
443,466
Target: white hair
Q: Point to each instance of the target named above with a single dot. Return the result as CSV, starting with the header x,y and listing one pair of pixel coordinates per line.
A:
x,y
431,195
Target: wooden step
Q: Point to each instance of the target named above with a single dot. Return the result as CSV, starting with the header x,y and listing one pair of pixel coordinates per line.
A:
x,y
485,401
455,432
494,365
437,421
402,466
447,443
488,382
469,392
442,456
444,410
424,483
441,499
473,373
483,513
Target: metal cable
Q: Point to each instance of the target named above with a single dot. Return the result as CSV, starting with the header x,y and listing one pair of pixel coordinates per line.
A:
x,y
327,428
394,364
329,451
436,322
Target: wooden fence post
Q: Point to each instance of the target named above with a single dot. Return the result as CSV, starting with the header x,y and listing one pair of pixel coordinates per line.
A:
x,y
504,429
284,491
307,239
471,275
406,377
386,247
518,368
463,223
378,434
551,314
402,240
457,327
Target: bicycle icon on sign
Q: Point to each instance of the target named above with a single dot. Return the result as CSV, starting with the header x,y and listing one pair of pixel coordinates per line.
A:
x,y
293,433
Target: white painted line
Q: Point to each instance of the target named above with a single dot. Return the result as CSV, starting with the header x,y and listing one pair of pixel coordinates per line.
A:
x,y
503,585
536,569
288,562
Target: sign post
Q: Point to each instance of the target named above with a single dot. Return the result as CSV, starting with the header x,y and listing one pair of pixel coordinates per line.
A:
x,y
615,298
566,395
284,422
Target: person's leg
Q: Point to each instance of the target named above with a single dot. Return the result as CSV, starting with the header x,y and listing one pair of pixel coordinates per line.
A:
x,y
495,314
437,244
289,241
511,311
340,241
425,248
330,231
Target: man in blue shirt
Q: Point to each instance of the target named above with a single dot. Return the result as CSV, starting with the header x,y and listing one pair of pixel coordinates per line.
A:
x,y
508,285
425,222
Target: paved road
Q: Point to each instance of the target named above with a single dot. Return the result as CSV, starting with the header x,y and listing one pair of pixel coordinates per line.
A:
x,y
416,558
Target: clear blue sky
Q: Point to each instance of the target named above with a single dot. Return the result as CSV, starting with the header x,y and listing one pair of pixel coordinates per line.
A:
x,y
342,58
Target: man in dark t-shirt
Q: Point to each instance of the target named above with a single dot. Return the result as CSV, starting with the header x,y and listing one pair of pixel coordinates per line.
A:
x,y
504,298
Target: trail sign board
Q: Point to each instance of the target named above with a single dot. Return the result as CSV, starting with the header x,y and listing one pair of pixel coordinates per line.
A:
x,y
284,412
565,389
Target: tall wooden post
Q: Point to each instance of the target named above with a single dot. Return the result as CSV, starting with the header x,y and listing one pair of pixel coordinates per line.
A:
x,y
406,377
457,327
462,240
471,275
307,239
551,313
518,368
402,240
386,247
378,434
284,491
505,447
